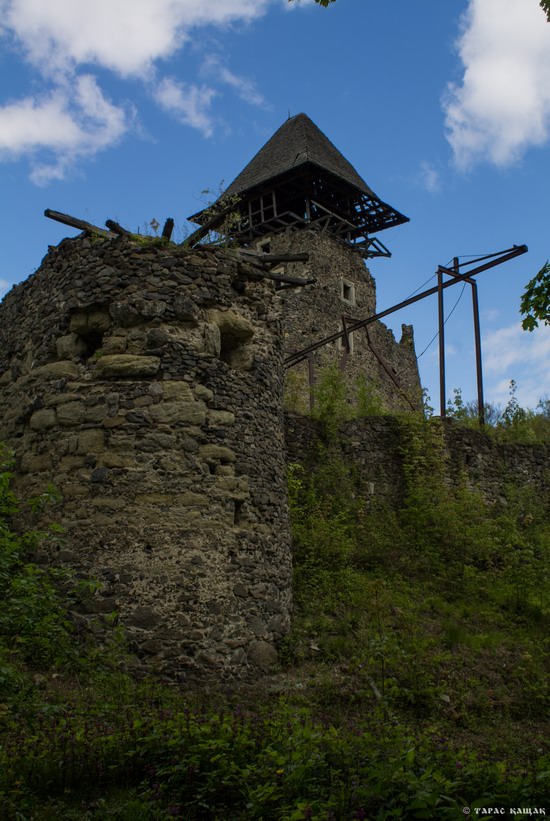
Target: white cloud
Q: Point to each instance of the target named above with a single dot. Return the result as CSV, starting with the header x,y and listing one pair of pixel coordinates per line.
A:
x,y
190,104
490,314
512,353
62,39
429,177
126,36
296,4
502,105
32,123
4,287
244,87
450,350
68,124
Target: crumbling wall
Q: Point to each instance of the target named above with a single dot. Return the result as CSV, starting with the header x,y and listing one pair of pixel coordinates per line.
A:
x,y
145,382
344,287
374,447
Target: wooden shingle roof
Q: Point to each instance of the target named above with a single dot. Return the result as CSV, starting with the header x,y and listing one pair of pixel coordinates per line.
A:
x,y
297,142
299,179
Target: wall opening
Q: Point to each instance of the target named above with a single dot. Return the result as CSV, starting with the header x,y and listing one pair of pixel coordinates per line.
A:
x,y
238,512
93,341
347,291
235,350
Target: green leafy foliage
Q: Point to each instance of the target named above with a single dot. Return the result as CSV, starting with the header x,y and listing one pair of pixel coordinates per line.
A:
x,y
513,424
369,401
357,564
333,401
535,302
415,680
37,634
544,4
223,211
333,405
233,763
34,629
324,3
466,413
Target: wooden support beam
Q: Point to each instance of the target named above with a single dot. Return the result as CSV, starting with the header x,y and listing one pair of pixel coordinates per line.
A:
x,y
209,225
274,258
293,285
289,280
168,228
347,340
82,225
117,229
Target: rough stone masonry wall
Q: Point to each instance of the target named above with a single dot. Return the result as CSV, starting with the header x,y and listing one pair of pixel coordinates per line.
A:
x,y
373,446
145,382
315,311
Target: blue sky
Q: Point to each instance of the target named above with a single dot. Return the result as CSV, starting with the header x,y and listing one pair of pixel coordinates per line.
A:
x,y
128,110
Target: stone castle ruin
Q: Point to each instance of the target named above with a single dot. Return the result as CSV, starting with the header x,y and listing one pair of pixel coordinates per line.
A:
x,y
145,381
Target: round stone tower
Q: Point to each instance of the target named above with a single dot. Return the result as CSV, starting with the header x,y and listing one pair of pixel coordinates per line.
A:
x,y
145,382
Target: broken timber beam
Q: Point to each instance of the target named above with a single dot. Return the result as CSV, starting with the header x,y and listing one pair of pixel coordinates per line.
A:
x,y
295,284
168,228
82,225
275,258
209,225
117,229
283,279
290,280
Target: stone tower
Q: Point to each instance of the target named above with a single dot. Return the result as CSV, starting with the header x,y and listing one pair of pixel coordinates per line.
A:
x,y
298,194
145,381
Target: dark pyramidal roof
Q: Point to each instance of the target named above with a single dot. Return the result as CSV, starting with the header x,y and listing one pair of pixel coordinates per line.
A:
x,y
299,179
297,142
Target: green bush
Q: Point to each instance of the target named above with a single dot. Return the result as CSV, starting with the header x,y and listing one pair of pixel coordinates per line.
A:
x,y
277,765
514,424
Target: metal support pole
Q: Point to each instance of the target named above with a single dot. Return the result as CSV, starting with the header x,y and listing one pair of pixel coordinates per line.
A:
x,y
504,256
347,346
479,367
311,376
440,307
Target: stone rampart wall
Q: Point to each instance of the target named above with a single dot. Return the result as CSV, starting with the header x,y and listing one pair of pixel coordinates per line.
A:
x,y
374,447
145,382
